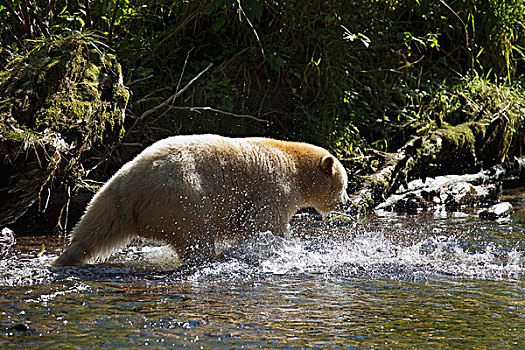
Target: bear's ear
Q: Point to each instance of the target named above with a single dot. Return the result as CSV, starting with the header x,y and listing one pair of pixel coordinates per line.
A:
x,y
328,165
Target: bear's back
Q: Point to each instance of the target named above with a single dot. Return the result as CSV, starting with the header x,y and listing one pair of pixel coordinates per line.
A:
x,y
206,165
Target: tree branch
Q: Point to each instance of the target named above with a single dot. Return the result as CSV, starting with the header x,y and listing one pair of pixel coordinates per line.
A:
x,y
88,14
13,11
211,109
241,11
467,40
177,94
38,21
25,16
112,24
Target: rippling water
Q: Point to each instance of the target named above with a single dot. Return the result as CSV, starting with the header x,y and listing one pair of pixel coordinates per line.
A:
x,y
421,281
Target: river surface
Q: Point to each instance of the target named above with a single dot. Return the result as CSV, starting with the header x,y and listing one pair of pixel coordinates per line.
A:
x,y
425,282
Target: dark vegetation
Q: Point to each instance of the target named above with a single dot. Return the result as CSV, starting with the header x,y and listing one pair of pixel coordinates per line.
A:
x,y
362,78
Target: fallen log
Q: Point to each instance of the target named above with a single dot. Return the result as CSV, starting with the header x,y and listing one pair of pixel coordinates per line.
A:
x,y
465,148
451,192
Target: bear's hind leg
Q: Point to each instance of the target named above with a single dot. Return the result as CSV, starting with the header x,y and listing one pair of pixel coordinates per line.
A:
x,y
89,248
75,254
99,233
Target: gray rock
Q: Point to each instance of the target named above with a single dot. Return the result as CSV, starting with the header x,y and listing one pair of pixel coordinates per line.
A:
x,y
7,240
497,211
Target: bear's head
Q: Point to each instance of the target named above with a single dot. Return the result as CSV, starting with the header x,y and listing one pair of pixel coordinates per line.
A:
x,y
328,185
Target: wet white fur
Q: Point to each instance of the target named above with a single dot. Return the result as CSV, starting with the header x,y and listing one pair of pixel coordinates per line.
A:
x,y
190,190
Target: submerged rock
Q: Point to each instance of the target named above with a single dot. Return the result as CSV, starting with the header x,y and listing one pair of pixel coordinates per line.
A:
x,y
59,102
497,211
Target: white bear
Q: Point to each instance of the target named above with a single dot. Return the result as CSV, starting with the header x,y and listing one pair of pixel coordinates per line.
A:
x,y
189,191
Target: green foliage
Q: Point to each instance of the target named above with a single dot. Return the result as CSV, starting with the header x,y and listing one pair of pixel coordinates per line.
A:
x,y
348,75
58,103
480,101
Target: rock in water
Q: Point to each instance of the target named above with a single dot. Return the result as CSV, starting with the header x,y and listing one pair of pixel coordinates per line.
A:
x,y
497,211
7,240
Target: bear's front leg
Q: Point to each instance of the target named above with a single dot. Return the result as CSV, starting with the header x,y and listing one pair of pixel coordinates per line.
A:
x,y
197,250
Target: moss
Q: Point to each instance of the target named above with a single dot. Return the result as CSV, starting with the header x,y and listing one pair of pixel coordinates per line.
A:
x,y
459,142
60,102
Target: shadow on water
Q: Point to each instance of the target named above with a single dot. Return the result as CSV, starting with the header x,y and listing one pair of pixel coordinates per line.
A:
x,y
387,281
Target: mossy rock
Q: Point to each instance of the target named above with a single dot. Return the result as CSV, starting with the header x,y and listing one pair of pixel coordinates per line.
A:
x,y
59,103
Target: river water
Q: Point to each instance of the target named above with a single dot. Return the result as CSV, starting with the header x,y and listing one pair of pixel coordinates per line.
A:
x,y
426,281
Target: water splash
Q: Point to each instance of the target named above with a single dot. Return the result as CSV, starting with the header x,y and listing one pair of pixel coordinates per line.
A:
x,y
15,271
371,255
399,252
